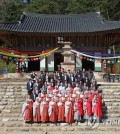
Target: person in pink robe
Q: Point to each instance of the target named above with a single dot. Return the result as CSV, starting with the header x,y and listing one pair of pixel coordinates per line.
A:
x,y
98,109
80,108
89,110
61,110
50,88
69,112
36,111
53,111
69,89
44,110
27,111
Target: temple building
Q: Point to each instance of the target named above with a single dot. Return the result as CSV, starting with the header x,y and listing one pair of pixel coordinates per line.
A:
x,y
40,32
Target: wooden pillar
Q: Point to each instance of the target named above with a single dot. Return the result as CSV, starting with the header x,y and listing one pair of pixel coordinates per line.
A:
x,y
46,63
56,41
51,43
26,41
34,40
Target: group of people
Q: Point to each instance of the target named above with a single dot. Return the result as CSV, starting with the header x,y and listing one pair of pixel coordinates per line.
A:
x,y
63,97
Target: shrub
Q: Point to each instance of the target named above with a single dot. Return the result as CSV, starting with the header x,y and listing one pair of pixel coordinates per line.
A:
x,y
117,66
11,67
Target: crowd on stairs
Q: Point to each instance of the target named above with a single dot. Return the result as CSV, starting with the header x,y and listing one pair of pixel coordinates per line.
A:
x,y
62,97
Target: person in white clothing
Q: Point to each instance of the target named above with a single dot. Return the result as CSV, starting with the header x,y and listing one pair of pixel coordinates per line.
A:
x,y
62,88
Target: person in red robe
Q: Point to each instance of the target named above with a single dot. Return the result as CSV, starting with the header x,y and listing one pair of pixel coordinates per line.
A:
x,y
98,109
53,111
90,97
27,111
61,110
99,96
36,111
69,112
50,88
71,97
44,110
89,111
80,107
85,108
87,92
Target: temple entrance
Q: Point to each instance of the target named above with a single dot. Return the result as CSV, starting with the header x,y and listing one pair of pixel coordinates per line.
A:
x,y
87,64
58,58
34,66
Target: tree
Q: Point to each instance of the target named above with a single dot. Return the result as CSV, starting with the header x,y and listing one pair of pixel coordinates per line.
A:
x,y
117,48
111,9
9,11
43,6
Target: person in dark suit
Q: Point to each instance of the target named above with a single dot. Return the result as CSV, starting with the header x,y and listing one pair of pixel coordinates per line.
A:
x,y
32,75
64,77
51,75
79,78
42,77
71,78
40,83
33,95
62,70
47,77
29,86
90,74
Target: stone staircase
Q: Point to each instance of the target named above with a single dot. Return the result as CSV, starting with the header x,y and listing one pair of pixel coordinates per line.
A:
x,y
111,100
12,96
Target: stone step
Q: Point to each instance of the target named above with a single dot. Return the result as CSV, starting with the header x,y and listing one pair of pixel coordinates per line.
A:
x,y
111,97
108,84
12,119
111,100
109,107
61,130
111,115
10,114
107,103
110,111
111,94
12,84
109,89
18,110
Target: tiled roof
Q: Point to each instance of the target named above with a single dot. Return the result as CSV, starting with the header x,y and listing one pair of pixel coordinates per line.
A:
x,y
70,23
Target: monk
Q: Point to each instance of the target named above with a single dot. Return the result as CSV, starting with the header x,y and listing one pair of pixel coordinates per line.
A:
x,y
61,110
53,111
50,88
27,111
98,109
63,97
80,107
69,89
94,109
36,111
44,110
85,108
89,111
69,111
76,115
